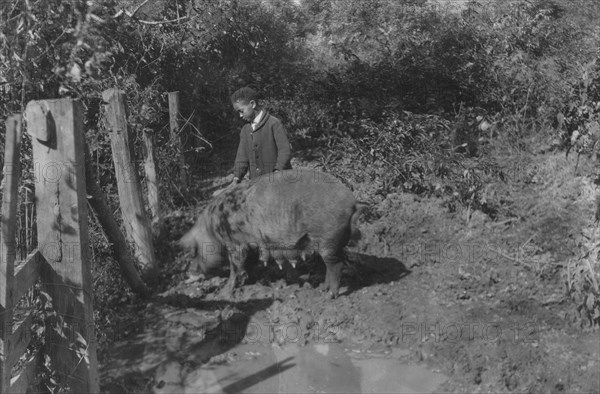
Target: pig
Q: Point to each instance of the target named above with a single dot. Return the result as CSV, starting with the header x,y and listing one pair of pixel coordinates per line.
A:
x,y
285,215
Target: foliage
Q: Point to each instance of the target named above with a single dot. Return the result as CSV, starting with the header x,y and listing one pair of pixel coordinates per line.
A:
x,y
343,60
580,117
380,89
582,282
412,153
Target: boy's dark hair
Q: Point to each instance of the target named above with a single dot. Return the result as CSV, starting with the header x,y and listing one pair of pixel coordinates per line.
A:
x,y
245,94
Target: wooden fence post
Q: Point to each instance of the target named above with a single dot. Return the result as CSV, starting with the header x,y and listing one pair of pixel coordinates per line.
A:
x,y
7,244
128,184
115,236
152,182
56,127
176,136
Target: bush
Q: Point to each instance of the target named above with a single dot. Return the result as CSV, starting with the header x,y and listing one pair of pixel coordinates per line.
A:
x,y
411,153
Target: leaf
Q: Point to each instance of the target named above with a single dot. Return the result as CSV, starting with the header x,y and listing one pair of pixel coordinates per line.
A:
x,y
590,302
81,339
20,26
75,72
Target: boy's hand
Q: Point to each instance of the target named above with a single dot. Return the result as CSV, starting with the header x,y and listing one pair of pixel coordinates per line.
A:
x,y
235,181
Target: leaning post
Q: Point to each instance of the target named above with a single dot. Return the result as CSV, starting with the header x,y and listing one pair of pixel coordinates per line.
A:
x,y
128,184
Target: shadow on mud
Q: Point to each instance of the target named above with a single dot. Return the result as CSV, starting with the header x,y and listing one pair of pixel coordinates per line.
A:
x,y
361,271
181,334
230,331
260,376
369,270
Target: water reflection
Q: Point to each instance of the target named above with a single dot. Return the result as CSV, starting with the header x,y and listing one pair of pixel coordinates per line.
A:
x,y
317,368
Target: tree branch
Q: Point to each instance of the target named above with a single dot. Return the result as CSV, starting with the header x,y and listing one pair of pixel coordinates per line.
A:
x,y
131,14
136,9
161,22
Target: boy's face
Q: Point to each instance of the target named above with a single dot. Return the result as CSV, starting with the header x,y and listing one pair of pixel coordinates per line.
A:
x,y
247,110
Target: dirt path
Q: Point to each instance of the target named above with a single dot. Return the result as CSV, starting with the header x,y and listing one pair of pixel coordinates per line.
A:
x,y
430,302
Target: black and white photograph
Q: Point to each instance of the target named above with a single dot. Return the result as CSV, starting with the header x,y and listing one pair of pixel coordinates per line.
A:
x,y
299,196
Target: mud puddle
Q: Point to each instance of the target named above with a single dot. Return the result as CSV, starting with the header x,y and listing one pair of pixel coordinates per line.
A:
x,y
315,368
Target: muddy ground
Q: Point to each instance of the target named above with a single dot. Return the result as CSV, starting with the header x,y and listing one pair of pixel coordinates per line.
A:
x,y
479,303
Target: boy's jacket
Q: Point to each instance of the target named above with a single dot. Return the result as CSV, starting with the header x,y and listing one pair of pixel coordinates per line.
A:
x,y
263,150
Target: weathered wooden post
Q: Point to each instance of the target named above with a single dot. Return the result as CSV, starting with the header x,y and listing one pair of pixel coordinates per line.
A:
x,y
122,252
128,184
10,184
151,181
176,136
56,128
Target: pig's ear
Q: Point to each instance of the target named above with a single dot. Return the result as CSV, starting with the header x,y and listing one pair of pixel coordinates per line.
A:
x,y
188,241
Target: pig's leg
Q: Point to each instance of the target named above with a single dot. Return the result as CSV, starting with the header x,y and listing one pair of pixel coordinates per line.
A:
x,y
333,275
237,273
231,282
333,258
333,263
325,285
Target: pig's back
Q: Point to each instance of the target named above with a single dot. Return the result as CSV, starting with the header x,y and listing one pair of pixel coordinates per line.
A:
x,y
292,203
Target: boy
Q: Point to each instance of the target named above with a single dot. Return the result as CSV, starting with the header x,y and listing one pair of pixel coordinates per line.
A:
x,y
264,146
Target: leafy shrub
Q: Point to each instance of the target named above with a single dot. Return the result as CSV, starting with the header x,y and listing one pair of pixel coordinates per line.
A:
x,y
411,153
579,120
582,282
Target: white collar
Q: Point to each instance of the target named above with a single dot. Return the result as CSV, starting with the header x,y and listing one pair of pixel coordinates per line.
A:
x,y
257,119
